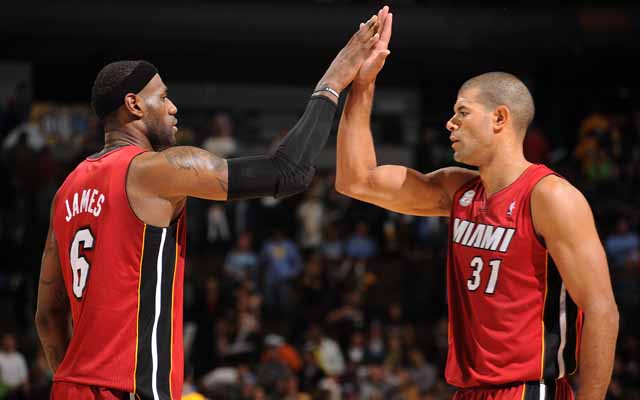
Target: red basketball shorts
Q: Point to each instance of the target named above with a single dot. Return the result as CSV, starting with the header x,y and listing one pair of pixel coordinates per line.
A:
x,y
558,390
68,391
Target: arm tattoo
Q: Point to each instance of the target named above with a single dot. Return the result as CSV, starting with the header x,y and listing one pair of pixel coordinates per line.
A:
x,y
198,161
444,203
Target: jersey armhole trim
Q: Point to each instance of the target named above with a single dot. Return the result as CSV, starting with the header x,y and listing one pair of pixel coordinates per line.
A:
x,y
539,239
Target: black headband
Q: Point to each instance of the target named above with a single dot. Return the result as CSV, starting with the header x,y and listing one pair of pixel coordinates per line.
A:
x,y
133,83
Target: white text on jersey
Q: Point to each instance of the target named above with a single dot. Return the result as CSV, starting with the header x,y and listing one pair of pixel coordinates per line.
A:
x,y
482,236
89,200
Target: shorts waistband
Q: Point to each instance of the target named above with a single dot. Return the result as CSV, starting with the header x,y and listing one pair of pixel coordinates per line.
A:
x,y
533,390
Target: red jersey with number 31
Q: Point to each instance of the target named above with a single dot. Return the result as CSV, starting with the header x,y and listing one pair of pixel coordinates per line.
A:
x,y
124,281
510,317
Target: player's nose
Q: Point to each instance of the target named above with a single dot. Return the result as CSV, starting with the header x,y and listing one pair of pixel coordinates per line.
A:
x,y
173,110
451,125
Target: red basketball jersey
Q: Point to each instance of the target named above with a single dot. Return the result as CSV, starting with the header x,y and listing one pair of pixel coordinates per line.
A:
x,y
510,316
124,280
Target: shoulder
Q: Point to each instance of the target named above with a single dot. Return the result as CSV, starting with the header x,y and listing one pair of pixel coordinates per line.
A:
x,y
555,192
558,207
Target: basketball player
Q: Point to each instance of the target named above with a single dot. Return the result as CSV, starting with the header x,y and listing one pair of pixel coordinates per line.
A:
x,y
115,250
525,264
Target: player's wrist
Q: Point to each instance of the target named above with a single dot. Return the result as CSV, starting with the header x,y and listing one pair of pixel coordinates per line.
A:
x,y
328,89
333,85
363,85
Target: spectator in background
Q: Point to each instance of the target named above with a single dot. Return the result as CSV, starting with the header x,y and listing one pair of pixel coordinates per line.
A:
x,y
347,318
332,248
374,386
311,214
622,244
278,350
311,372
326,352
220,137
282,264
241,262
360,245
35,138
14,374
423,373
356,351
599,147
376,350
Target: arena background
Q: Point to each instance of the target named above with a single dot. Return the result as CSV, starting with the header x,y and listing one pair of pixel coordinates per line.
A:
x,y
362,313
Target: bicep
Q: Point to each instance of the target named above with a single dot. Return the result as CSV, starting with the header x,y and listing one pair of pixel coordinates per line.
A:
x,y
564,219
182,171
408,191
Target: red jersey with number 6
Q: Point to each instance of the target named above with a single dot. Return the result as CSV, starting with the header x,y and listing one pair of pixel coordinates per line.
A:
x,y
510,317
124,281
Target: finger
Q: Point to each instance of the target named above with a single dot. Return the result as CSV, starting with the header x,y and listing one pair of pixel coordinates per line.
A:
x,y
372,41
369,29
385,36
376,27
360,33
372,21
382,15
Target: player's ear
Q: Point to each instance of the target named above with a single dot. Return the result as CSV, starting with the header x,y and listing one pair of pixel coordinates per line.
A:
x,y
132,104
501,116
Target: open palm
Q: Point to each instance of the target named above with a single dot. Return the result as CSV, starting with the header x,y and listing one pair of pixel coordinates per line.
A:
x,y
374,63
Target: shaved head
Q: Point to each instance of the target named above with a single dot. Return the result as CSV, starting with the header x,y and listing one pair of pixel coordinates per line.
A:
x,y
499,88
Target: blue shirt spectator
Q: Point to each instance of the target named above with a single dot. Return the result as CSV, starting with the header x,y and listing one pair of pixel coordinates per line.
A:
x,y
242,262
360,245
282,258
622,244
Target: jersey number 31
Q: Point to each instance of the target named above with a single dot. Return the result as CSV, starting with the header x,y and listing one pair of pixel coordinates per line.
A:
x,y
79,265
473,283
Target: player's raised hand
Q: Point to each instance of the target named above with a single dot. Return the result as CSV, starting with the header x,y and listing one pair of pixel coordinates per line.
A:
x,y
374,63
345,66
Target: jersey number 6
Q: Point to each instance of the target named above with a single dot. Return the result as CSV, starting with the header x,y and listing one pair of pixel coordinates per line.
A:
x,y
474,282
79,264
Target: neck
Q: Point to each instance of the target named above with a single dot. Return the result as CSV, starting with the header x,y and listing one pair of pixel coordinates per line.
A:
x,y
128,134
503,169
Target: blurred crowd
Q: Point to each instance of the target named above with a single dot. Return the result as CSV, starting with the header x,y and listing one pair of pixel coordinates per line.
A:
x,y
317,296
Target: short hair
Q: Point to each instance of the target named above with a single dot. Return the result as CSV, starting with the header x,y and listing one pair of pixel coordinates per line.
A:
x,y
501,88
115,80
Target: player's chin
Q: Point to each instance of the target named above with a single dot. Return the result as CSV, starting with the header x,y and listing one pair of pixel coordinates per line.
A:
x,y
170,137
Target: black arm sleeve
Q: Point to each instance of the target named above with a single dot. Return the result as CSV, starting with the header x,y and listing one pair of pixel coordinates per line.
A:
x,y
290,169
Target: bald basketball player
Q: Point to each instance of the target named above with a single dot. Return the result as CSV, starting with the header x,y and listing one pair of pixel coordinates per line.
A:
x,y
529,292
114,255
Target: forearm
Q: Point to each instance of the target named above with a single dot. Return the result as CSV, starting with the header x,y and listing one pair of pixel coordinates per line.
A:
x,y
356,155
54,334
597,352
291,168
304,142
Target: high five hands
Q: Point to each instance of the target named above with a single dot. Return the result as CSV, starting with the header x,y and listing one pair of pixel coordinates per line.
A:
x,y
380,50
363,56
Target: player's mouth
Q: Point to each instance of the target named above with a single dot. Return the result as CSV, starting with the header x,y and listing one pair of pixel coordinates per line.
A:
x,y
454,140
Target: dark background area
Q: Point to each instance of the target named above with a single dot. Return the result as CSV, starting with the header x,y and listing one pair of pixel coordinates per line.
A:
x,y
579,60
